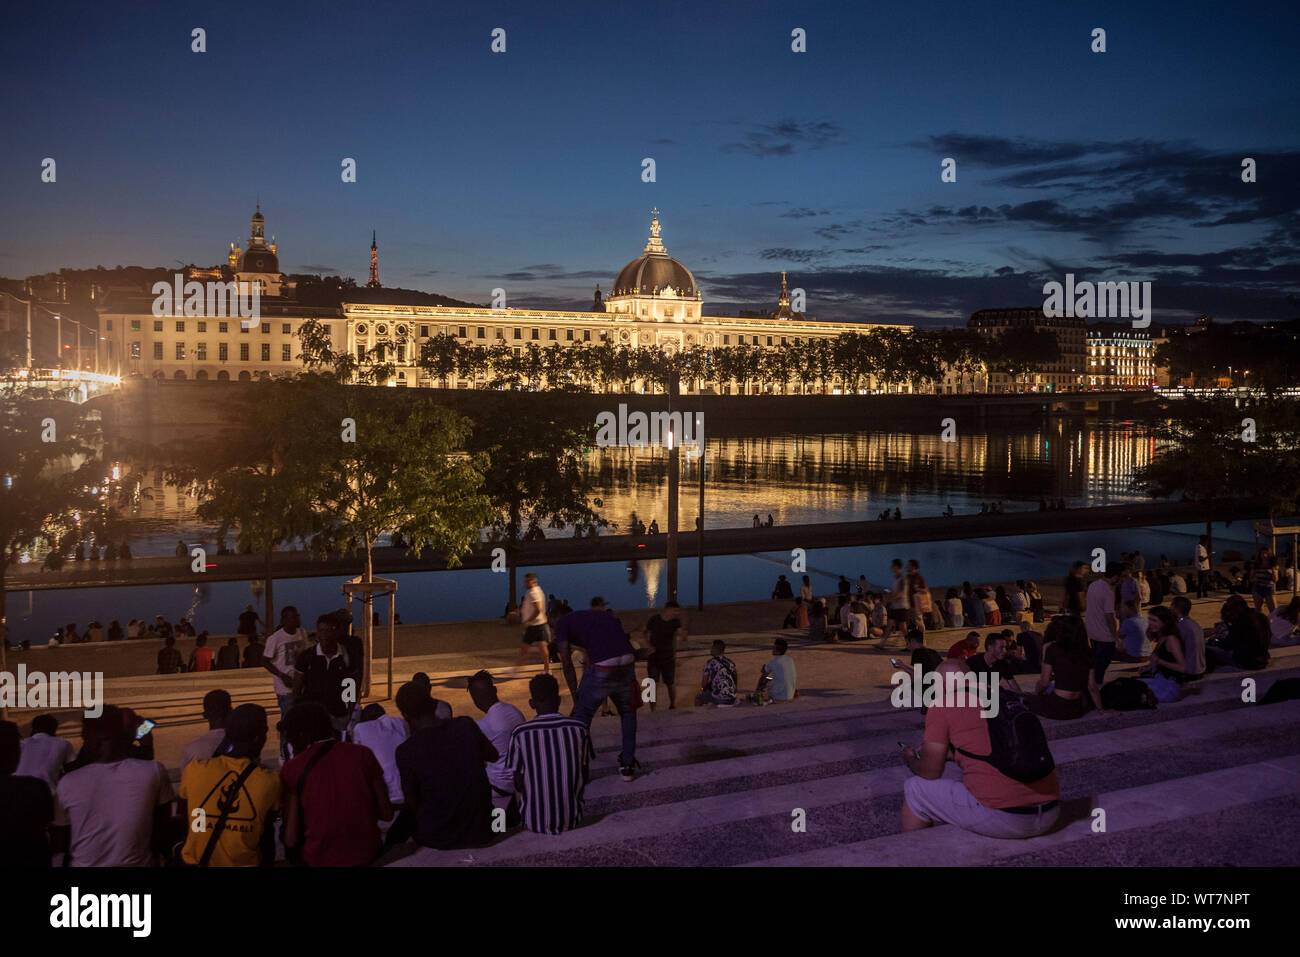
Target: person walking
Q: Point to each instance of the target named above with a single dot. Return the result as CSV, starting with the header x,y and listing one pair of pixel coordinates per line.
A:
x,y
532,613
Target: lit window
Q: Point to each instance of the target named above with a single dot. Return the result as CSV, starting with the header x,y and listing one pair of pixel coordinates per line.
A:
x,y
135,350
201,352
223,351
285,353
180,351
266,352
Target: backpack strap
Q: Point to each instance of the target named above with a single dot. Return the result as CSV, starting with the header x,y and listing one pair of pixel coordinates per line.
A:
x,y
226,806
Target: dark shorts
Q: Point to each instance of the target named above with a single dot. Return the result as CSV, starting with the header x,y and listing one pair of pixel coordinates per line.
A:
x,y
662,669
536,633
898,614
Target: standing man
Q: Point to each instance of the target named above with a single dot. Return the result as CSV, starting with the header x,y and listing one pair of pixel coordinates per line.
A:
x,y
663,630
610,672
1192,634
898,602
278,657
532,613
1099,618
918,595
1202,567
326,675
248,621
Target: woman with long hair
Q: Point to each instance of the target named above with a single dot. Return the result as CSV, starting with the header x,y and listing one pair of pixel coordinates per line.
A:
x,y
1167,657
1067,671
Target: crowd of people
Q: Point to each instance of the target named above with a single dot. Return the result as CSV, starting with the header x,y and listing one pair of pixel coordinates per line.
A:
x,y
354,782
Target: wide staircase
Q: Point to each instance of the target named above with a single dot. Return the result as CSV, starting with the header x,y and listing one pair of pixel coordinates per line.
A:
x,y
1208,780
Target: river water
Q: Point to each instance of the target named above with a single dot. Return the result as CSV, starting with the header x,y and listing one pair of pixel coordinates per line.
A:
x,y
842,476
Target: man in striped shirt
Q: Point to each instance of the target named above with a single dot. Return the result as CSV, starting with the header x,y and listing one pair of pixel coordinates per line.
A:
x,y
549,757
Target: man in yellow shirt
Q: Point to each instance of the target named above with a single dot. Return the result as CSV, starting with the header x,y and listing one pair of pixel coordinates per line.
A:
x,y
229,801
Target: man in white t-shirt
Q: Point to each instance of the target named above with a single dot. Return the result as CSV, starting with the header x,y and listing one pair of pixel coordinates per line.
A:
x,y
278,657
108,811
532,615
498,721
45,754
382,733
1100,620
783,684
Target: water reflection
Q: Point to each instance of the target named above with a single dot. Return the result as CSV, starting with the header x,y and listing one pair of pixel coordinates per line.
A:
x,y
798,478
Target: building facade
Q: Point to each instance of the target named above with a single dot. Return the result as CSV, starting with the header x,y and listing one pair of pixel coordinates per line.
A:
x,y
1120,357
1066,375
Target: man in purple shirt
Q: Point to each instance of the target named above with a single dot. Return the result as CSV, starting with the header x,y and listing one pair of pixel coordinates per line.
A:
x,y
610,672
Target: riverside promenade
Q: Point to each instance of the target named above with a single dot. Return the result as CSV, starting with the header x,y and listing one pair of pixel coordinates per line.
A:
x,y
622,548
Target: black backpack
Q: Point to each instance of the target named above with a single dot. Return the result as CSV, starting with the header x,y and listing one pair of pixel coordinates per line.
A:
x,y
1019,744
1127,694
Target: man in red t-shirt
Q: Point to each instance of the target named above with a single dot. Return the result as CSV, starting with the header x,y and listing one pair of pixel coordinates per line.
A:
x,y
335,820
972,794
965,647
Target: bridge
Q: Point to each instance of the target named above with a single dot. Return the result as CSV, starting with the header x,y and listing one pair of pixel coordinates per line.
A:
x,y
77,384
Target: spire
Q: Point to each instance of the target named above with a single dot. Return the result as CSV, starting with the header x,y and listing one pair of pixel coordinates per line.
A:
x,y
374,263
655,244
372,240
785,293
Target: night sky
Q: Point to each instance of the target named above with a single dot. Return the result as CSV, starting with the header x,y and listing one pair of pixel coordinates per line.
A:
x,y
523,170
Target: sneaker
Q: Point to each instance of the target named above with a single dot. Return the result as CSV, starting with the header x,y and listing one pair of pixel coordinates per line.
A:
x,y
628,771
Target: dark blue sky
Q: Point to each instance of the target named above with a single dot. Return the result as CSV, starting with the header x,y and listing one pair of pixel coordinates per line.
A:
x,y
523,170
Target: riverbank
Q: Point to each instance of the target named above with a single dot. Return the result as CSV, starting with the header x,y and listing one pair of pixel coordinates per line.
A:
x,y
628,548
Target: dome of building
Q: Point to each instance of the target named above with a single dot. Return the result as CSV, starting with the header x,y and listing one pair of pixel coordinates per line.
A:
x,y
655,271
259,260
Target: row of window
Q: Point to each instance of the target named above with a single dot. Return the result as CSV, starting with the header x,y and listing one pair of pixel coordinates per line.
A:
x,y
223,351
552,336
286,328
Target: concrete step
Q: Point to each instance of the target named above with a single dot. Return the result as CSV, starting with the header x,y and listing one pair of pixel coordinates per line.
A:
x,y
749,820
1147,810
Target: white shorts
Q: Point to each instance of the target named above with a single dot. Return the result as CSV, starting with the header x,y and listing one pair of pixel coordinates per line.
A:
x,y
947,801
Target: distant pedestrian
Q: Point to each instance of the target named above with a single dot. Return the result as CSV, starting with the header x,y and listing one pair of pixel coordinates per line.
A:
x,y
201,656
537,632
248,621
169,659
228,655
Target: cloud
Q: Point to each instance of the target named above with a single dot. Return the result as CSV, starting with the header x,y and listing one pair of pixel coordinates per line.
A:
x,y
802,212
319,270
784,137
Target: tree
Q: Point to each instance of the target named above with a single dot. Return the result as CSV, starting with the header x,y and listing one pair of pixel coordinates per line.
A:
x,y
49,473
533,474
373,462
1018,351
243,484
1209,453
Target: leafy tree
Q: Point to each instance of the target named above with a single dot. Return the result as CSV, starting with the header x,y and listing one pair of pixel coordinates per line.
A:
x,y
533,474
49,469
